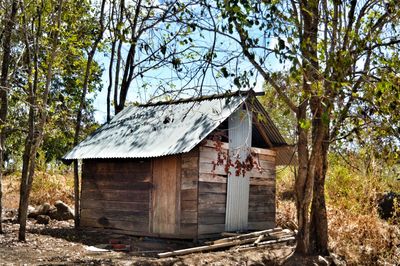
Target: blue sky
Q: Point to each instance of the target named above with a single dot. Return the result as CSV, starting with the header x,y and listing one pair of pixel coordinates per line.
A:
x,y
137,93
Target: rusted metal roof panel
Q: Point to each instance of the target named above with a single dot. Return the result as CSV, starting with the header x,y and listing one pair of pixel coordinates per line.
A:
x,y
156,130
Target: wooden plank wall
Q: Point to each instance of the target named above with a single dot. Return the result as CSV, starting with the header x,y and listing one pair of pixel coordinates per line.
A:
x,y
116,195
262,209
189,194
212,191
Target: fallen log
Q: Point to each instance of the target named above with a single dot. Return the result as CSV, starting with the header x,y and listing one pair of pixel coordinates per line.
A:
x,y
253,239
229,234
258,240
244,236
264,243
207,247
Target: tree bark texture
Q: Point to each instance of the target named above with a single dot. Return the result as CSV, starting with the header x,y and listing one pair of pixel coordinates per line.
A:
x,y
8,27
319,219
310,156
32,88
38,132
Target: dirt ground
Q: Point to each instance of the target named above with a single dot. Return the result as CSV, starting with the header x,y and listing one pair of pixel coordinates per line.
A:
x,y
60,244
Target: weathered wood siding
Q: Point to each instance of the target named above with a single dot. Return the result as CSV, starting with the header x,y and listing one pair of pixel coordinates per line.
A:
x,y
189,194
212,193
213,185
116,195
119,194
262,191
165,195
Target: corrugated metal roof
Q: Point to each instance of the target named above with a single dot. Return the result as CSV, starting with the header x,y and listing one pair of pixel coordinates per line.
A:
x,y
156,130
160,129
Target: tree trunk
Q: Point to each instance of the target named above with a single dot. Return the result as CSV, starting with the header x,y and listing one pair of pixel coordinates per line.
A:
x,y
110,77
302,185
77,133
76,137
32,88
116,81
38,135
8,27
308,158
119,56
81,108
111,64
319,220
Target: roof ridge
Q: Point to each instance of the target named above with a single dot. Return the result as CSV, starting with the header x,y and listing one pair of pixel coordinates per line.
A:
x,y
204,98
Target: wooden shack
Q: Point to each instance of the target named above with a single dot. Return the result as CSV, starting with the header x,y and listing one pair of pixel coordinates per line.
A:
x,y
186,169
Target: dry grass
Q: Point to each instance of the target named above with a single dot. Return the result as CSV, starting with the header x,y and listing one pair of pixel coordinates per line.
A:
x,y
363,239
356,232
46,187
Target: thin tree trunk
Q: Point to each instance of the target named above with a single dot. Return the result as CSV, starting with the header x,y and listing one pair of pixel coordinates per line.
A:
x,y
76,137
116,81
8,27
302,185
130,61
38,136
110,77
77,134
81,108
111,64
32,88
119,57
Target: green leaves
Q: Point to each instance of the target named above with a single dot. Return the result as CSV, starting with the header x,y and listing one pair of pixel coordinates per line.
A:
x,y
305,124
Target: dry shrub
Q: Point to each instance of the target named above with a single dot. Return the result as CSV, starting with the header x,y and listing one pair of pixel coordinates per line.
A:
x,y
285,183
48,187
362,238
355,230
286,214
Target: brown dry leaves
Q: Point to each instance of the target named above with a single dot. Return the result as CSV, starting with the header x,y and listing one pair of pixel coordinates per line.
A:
x,y
363,238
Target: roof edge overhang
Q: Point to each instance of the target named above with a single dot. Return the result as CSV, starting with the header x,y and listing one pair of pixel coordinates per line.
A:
x,y
249,96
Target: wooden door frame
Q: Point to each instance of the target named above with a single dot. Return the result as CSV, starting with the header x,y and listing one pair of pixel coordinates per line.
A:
x,y
177,159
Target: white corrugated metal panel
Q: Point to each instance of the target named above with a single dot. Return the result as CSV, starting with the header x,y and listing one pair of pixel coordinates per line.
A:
x,y
237,200
156,130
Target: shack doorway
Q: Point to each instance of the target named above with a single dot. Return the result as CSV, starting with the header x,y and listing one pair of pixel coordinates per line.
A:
x,y
165,195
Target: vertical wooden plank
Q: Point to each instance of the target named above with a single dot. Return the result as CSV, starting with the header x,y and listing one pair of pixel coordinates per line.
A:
x,y
151,199
165,195
178,163
189,178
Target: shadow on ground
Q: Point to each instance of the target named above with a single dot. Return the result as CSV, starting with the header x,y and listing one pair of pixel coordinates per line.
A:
x,y
144,246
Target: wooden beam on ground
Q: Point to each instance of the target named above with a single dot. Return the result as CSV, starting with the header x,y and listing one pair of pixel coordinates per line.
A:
x,y
249,240
206,248
253,234
264,243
